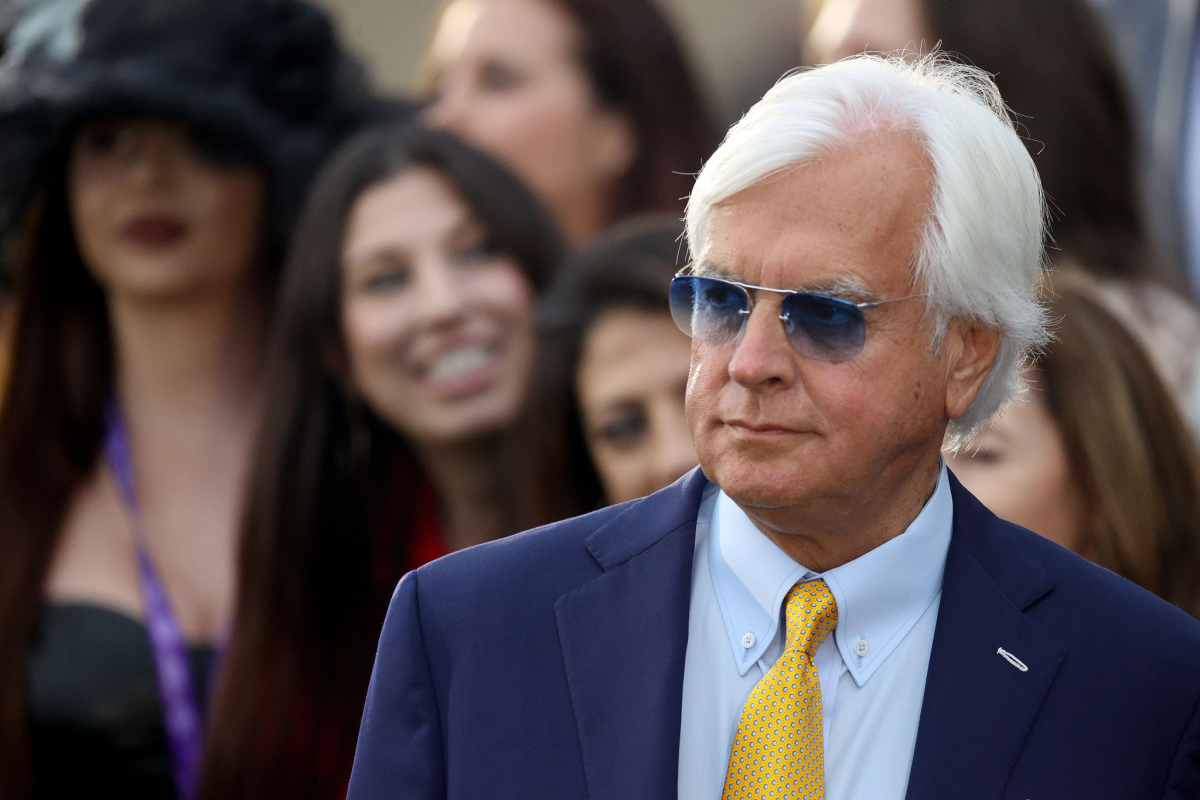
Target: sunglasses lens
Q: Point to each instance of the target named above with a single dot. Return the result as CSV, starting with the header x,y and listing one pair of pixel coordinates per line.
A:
x,y
708,310
824,328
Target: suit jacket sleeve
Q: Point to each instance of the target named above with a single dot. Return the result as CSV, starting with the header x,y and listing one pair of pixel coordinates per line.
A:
x,y
399,751
1184,780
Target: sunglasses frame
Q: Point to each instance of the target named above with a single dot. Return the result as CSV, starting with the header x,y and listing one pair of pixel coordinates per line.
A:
x,y
751,300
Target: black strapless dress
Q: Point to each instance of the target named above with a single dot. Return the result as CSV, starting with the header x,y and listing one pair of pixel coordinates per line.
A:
x,y
95,715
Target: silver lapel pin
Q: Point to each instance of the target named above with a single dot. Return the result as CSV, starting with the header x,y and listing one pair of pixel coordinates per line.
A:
x,y
1010,658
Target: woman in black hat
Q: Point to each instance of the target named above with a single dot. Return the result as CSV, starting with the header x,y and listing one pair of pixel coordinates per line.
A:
x,y
155,153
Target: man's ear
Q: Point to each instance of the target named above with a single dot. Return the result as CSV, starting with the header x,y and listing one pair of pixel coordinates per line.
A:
x,y
972,349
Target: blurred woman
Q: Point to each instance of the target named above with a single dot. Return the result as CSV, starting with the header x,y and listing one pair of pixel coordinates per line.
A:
x,y
590,102
1056,70
151,179
1097,457
401,355
606,417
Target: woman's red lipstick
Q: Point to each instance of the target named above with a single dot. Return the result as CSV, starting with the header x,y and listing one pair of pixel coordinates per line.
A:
x,y
155,230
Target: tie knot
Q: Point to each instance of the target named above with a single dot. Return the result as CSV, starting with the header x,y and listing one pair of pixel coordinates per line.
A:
x,y
812,615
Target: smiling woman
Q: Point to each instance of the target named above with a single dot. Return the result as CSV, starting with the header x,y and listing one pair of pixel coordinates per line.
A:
x,y
400,357
437,322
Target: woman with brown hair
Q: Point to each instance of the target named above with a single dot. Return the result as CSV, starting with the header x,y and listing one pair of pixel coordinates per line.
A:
x,y
401,354
1097,457
152,156
605,420
590,102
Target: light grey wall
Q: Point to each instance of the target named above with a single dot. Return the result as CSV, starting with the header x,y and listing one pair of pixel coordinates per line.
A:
x,y
738,47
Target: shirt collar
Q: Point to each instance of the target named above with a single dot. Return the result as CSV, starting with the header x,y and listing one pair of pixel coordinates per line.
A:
x,y
880,595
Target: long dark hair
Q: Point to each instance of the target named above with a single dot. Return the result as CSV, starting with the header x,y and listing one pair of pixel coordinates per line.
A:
x,y
1128,445
1057,72
635,63
58,376
332,490
630,266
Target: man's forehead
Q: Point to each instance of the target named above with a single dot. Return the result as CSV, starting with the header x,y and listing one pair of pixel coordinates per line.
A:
x,y
854,216
793,257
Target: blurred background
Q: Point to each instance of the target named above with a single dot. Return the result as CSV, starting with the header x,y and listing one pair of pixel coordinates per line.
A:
x,y
299,295
737,49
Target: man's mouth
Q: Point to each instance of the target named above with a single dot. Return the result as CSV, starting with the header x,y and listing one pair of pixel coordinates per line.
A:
x,y
759,427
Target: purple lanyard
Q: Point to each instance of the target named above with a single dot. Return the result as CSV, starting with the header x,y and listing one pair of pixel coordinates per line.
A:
x,y
182,716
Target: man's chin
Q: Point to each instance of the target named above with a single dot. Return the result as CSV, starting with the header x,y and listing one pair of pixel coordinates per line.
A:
x,y
760,485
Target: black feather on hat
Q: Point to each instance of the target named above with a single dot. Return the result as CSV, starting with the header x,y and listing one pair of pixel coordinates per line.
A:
x,y
266,78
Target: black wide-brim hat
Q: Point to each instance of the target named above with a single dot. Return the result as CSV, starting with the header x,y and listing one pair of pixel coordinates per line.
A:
x,y
265,77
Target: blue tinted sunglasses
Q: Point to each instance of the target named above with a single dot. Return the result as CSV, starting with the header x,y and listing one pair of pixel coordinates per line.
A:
x,y
714,311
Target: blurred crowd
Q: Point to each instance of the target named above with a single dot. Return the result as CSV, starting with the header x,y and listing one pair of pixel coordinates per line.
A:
x,y
270,338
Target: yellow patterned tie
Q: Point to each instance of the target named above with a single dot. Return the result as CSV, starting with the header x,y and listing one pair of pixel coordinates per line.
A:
x,y
779,748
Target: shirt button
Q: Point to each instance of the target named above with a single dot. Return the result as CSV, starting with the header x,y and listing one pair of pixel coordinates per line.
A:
x,y
748,641
862,647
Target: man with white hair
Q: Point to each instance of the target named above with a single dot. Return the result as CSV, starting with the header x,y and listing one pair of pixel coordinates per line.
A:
x,y
820,611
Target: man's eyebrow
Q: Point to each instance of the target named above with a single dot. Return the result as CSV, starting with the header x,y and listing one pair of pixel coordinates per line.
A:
x,y
706,269
843,288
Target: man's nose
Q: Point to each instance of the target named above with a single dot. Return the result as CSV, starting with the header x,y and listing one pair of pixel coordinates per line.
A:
x,y
763,355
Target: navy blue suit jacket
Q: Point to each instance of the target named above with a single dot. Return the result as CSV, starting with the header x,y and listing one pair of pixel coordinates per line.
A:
x,y
550,665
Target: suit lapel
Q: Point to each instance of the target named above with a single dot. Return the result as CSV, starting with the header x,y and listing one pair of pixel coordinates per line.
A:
x,y
624,639
979,706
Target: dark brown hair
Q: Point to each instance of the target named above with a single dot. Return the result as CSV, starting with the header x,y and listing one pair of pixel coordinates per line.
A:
x,y
1056,71
1129,447
630,266
332,490
635,63
58,375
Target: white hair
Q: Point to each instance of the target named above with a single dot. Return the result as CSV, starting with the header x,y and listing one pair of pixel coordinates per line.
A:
x,y
981,256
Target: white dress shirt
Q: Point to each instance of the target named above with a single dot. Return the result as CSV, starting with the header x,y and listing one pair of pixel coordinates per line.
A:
x,y
872,669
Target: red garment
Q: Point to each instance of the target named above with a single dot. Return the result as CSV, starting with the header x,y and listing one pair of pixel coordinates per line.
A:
x,y
426,543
